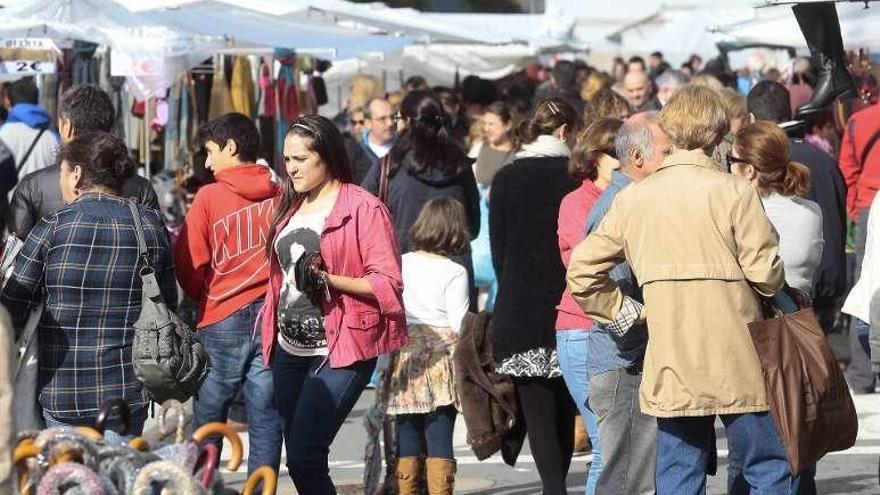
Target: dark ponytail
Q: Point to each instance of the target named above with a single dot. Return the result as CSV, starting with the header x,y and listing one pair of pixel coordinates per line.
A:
x,y
426,139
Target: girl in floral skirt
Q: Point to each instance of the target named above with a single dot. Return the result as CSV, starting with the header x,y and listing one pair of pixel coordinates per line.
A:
x,y
422,388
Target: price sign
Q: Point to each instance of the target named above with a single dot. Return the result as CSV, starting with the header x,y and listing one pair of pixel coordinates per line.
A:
x,y
27,56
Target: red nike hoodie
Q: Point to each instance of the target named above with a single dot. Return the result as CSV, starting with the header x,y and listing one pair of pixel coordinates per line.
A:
x,y
221,253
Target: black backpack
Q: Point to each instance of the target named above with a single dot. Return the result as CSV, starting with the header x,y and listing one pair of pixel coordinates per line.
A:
x,y
168,360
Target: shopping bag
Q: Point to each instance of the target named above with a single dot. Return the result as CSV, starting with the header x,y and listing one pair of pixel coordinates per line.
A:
x,y
809,398
27,412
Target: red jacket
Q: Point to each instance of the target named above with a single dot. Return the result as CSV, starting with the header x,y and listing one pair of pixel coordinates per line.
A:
x,y
572,229
221,252
358,241
862,178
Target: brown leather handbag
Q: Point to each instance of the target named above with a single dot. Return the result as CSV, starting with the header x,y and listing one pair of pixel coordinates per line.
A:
x,y
808,395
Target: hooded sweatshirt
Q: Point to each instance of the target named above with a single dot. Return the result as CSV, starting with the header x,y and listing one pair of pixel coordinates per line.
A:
x,y
24,122
408,193
221,253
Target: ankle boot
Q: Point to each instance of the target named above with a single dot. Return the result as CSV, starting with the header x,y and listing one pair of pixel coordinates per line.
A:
x,y
441,476
821,29
408,471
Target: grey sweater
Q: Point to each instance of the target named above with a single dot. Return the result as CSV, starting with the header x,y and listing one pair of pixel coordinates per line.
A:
x,y
798,222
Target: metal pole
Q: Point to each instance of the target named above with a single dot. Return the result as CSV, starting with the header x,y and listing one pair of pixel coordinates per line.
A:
x,y
147,157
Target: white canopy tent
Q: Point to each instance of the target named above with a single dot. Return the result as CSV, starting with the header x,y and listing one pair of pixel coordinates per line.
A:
x,y
151,55
858,27
247,28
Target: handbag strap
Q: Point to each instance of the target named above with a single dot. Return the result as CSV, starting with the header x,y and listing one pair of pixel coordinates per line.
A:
x,y
384,177
27,154
148,276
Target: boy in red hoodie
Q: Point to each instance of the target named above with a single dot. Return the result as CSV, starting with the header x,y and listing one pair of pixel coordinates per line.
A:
x,y
222,264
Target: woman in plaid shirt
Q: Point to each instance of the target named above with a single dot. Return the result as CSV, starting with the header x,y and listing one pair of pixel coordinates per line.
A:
x,y
82,263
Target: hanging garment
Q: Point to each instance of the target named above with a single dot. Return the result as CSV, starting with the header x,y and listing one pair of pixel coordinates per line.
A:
x,y
172,126
288,97
85,67
241,89
267,103
201,82
221,103
186,124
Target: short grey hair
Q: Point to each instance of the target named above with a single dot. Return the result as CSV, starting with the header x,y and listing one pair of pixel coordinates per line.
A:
x,y
635,136
673,78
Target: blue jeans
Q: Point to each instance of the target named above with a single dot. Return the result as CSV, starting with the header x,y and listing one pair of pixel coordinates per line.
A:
x,y
237,363
314,403
571,346
685,447
435,428
111,427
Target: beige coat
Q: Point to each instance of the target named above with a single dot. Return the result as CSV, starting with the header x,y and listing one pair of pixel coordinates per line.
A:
x,y
8,362
698,240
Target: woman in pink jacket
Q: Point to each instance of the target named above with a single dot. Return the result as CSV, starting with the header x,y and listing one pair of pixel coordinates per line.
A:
x,y
334,299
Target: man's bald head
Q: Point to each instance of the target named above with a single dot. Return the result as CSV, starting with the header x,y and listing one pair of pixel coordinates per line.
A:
x,y
636,88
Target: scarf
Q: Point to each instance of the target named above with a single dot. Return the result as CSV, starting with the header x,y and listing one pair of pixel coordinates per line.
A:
x,y
544,146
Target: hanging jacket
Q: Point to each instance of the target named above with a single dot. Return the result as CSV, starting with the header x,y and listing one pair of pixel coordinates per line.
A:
x,y
241,91
488,399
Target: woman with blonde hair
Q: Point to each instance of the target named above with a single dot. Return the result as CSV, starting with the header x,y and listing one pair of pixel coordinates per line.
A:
x,y
700,247
596,81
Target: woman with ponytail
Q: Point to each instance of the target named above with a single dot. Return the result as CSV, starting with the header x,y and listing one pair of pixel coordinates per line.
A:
x,y
761,154
525,253
426,163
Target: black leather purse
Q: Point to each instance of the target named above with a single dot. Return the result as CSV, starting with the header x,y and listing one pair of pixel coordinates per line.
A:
x,y
309,278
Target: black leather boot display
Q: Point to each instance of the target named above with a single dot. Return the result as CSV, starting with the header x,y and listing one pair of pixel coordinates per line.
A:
x,y
821,29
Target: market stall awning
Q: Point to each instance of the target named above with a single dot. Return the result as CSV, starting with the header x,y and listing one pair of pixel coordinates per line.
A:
x,y
150,54
246,28
858,26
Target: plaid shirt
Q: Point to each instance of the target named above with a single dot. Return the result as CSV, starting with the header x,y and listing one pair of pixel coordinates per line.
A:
x,y
82,262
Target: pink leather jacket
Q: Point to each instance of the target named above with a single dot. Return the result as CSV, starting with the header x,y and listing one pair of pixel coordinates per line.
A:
x,y
358,241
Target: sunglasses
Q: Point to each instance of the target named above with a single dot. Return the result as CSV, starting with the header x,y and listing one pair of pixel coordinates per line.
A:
x,y
358,122
735,159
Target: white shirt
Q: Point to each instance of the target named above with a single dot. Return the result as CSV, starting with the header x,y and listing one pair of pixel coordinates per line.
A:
x,y
435,290
301,234
379,150
798,222
858,302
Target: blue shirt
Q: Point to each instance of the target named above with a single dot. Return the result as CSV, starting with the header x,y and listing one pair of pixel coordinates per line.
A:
x,y
607,354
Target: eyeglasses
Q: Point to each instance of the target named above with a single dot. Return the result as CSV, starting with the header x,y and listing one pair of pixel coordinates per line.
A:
x,y
735,159
358,122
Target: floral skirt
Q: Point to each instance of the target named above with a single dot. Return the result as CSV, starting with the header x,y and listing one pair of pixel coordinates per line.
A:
x,y
421,374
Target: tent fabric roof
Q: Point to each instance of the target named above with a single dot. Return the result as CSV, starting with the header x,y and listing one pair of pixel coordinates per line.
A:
x,y
246,27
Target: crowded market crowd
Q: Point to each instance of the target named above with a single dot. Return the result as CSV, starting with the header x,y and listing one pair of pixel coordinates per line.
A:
x,y
613,229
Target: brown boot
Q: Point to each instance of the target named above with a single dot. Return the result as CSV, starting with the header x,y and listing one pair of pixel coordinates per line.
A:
x,y
581,439
408,470
441,476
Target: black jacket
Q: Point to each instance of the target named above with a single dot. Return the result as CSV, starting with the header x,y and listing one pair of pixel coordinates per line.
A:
x,y
39,194
828,190
408,193
523,219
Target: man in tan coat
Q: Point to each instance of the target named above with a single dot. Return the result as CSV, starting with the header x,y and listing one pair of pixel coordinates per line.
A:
x,y
700,246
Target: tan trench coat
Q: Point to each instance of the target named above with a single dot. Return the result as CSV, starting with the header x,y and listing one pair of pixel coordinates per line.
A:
x,y
698,241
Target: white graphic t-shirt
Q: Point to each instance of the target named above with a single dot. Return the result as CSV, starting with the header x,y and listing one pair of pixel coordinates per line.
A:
x,y
300,323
